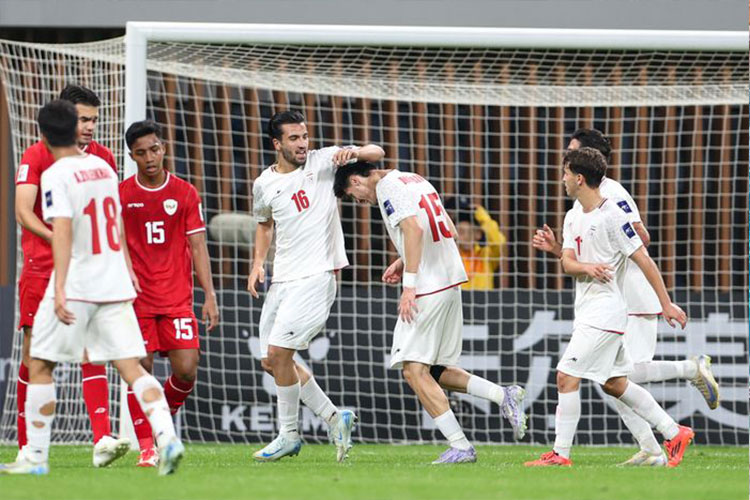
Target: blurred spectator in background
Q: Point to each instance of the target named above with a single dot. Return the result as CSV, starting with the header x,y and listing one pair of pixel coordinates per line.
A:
x,y
480,242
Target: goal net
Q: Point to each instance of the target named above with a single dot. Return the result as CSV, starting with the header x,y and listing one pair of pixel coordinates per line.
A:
x,y
486,124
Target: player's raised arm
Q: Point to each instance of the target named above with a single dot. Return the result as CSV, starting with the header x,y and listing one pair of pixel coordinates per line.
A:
x,y
544,239
370,153
672,312
413,244
263,237
202,263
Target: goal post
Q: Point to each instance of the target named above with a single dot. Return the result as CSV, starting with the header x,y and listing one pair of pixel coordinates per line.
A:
x,y
483,114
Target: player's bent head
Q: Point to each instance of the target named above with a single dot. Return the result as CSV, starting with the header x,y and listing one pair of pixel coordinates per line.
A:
x,y
141,129
588,162
344,174
591,138
57,121
78,94
275,130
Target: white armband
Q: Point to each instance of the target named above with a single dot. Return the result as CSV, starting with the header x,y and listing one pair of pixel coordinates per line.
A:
x,y
409,280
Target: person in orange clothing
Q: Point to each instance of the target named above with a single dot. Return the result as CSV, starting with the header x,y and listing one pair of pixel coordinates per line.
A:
x,y
480,243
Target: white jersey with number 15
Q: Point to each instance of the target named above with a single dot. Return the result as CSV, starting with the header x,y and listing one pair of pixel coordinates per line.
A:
x,y
403,194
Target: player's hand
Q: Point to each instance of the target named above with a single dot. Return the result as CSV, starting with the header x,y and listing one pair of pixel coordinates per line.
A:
x,y
544,240
210,312
407,307
344,156
672,313
600,272
257,275
62,312
392,274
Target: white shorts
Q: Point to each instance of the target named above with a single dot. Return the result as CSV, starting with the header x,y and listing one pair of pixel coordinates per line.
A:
x,y
296,311
434,336
595,354
640,337
104,332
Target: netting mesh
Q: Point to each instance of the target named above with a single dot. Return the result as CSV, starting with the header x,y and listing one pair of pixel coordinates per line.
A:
x,y
483,125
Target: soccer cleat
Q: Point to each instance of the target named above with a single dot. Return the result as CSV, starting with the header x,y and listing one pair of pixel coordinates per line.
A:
x,y
149,458
550,459
456,456
109,449
279,448
170,456
341,433
705,382
676,447
645,459
23,465
512,408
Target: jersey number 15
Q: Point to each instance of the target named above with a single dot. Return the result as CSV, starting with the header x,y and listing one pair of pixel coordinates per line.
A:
x,y
431,204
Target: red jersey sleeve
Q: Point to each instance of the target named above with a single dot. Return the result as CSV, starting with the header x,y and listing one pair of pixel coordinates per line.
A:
x,y
30,169
194,214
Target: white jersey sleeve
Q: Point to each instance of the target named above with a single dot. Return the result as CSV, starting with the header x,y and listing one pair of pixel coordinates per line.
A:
x,y
56,198
621,234
398,202
612,189
261,209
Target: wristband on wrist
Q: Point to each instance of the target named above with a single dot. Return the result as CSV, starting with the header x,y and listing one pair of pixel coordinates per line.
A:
x,y
409,280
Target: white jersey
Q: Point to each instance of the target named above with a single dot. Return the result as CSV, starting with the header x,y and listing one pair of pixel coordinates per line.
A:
x,y
403,194
640,297
602,236
309,238
84,189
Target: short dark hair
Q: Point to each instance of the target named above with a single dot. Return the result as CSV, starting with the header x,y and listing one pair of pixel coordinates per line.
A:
x,y
341,180
592,138
588,162
58,123
78,94
137,130
283,118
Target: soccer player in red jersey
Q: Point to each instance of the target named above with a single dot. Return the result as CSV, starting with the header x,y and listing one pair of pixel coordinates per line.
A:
x,y
166,237
37,267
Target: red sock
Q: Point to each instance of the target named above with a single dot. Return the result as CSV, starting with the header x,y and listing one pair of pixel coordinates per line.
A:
x,y
21,385
96,397
176,391
140,423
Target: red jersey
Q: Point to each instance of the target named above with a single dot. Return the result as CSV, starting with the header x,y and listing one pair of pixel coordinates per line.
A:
x,y
37,253
158,222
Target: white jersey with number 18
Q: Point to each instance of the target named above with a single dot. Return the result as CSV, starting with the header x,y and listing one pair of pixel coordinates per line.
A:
x,y
84,188
403,194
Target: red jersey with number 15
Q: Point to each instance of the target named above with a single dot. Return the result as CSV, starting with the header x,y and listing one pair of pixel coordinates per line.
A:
x,y
158,222
37,253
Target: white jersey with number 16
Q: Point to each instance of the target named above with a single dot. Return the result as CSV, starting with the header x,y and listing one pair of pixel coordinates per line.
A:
x,y
403,194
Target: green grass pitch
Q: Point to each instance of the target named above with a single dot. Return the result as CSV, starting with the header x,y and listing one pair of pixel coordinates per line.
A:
x,y
225,472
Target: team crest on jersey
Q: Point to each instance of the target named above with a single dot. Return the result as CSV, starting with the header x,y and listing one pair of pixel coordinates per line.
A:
x,y
625,207
629,231
170,206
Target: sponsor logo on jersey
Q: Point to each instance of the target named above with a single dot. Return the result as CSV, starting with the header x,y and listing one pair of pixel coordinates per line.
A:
x,y
625,207
170,206
136,205
23,173
389,210
48,198
629,231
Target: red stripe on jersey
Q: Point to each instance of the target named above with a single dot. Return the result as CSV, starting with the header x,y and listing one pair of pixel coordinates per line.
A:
x,y
442,289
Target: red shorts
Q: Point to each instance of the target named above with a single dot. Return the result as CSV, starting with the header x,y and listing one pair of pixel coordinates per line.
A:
x,y
30,293
169,332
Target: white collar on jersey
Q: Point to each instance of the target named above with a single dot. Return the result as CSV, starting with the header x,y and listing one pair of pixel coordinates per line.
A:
x,y
166,181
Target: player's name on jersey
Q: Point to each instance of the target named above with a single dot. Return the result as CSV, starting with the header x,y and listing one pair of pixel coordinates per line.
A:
x,y
94,174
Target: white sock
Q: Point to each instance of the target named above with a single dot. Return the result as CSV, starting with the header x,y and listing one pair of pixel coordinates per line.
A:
x,y
644,404
38,395
450,428
485,389
566,421
639,428
314,398
157,411
288,401
659,371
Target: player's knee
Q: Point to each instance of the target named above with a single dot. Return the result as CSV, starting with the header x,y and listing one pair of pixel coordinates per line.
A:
x,y
436,371
566,383
47,409
615,386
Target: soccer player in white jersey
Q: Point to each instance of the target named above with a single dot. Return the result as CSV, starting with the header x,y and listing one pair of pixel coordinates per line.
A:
x,y
598,241
295,195
87,309
427,339
643,315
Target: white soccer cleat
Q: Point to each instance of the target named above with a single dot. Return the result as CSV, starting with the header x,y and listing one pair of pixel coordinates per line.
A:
x,y
705,382
279,448
645,459
341,433
170,456
23,465
109,449
512,408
